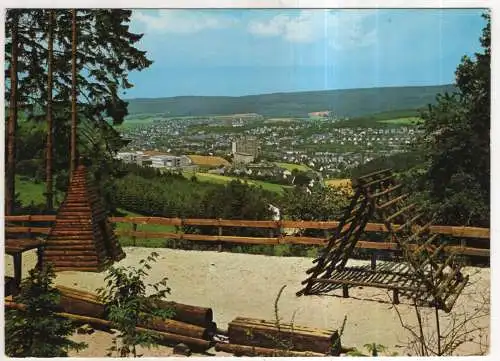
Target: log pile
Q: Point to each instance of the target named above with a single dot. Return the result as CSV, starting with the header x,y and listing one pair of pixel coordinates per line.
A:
x,y
190,325
165,338
253,337
82,238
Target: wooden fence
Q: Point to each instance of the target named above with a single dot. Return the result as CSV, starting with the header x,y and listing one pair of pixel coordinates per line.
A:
x,y
469,236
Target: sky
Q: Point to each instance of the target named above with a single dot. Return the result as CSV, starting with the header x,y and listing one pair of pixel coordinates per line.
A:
x,y
254,51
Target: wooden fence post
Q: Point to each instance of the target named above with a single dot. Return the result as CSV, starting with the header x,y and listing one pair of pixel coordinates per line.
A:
x,y
279,228
174,241
134,237
220,234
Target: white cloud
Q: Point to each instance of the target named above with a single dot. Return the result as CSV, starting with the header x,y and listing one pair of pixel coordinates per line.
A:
x,y
183,21
301,28
341,29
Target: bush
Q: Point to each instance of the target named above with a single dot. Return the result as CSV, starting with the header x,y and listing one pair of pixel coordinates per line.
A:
x,y
127,305
36,330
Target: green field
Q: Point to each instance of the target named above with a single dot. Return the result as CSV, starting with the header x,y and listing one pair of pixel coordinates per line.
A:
x,y
134,122
402,121
222,179
292,166
30,192
128,241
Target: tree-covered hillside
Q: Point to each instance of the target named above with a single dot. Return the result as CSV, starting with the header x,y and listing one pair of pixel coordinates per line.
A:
x,y
345,102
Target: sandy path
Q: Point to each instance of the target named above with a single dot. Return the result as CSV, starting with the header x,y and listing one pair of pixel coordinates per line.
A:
x,y
246,285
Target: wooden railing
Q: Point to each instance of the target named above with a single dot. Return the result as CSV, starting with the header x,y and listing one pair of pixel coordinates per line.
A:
x,y
275,228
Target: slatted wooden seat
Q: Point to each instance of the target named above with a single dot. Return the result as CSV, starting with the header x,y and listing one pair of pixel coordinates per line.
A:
x,y
429,277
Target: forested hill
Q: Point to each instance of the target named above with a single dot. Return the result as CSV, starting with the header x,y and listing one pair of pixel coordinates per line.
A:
x,y
345,102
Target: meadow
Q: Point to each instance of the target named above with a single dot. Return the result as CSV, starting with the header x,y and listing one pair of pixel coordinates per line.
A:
x,y
223,179
402,121
30,192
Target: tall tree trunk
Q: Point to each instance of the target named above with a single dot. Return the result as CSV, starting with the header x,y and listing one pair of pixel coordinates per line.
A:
x,y
50,132
73,150
10,188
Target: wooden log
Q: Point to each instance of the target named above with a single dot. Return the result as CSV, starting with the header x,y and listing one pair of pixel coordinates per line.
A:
x,y
71,258
202,327
77,293
82,306
387,191
195,315
373,182
253,332
457,231
71,232
30,218
147,220
365,284
70,253
165,337
172,339
40,230
179,328
63,262
447,307
79,268
400,212
243,350
377,173
393,201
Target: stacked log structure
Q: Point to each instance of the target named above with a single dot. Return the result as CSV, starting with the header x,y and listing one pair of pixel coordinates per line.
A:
x,y
254,337
82,238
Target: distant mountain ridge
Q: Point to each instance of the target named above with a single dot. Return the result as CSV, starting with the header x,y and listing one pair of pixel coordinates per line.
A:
x,y
343,102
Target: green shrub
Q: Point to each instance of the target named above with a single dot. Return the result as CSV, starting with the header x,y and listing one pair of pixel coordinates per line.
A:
x,y
128,306
37,331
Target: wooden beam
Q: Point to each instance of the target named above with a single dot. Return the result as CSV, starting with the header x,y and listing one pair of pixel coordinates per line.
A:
x,y
244,350
456,231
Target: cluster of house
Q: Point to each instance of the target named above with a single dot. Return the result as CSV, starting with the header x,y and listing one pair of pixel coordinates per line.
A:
x,y
329,162
157,159
326,149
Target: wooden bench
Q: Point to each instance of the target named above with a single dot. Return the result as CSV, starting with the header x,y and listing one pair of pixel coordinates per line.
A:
x,y
16,247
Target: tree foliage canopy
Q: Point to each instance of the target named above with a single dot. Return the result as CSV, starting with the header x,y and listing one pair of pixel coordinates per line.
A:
x,y
457,143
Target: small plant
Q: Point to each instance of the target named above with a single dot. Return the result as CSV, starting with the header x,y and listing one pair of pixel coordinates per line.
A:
x,y
336,345
35,329
374,349
128,306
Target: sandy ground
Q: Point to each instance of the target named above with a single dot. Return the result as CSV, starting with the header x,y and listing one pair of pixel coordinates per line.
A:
x,y
246,285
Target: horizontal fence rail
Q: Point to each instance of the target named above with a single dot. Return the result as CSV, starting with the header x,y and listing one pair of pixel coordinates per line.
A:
x,y
276,231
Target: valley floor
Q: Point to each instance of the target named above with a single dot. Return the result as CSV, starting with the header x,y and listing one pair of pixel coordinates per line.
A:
x,y
246,285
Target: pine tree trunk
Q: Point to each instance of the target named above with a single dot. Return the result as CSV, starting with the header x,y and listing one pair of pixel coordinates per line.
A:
x,y
50,132
73,150
10,169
